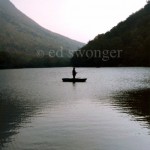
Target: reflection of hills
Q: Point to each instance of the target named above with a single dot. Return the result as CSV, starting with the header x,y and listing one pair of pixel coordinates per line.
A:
x,y
135,103
15,109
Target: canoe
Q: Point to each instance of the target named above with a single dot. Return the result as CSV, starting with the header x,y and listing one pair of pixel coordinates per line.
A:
x,y
74,80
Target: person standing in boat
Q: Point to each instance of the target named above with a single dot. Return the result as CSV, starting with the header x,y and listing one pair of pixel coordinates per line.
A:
x,y
74,73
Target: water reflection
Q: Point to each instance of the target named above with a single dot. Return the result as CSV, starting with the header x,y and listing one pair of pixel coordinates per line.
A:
x,y
39,111
135,103
15,108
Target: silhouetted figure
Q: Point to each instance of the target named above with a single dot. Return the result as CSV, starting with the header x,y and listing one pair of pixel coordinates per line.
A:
x,y
74,73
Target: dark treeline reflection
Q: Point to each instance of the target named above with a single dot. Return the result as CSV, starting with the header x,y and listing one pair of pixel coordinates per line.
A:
x,y
135,103
15,109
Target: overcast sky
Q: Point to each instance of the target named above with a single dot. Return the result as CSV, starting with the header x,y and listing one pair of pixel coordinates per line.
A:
x,y
81,20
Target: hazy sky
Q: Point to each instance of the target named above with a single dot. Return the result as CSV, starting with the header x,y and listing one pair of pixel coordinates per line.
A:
x,y
81,20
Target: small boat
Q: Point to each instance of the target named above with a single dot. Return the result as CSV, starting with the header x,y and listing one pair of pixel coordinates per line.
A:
x,y
74,80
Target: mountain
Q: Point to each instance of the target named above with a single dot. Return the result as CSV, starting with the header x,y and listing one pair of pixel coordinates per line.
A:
x,y
21,38
127,44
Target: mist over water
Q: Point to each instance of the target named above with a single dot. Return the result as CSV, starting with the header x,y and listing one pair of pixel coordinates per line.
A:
x,y
111,111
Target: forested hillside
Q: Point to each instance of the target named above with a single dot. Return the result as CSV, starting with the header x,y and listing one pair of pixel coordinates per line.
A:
x,y
21,38
131,38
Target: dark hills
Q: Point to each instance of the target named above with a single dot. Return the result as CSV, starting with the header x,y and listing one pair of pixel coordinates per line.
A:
x,y
127,44
21,37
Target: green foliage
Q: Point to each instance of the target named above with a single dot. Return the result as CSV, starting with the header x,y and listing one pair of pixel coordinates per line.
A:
x,y
23,60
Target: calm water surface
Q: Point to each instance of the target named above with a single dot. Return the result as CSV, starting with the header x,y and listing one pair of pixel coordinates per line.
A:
x,y
111,111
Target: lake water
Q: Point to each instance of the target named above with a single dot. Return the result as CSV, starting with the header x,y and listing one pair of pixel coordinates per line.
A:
x,y
111,111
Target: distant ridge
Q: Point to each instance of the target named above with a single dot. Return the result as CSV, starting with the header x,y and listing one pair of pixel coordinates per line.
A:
x,y
19,35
